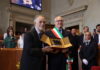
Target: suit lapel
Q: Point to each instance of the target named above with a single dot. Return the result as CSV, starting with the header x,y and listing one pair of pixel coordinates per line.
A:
x,y
97,37
63,33
89,44
36,37
35,34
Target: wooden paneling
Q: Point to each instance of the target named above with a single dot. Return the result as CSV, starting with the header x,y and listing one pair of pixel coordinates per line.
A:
x,y
9,57
1,41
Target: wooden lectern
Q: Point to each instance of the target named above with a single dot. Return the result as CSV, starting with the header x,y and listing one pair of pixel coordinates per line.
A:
x,y
9,57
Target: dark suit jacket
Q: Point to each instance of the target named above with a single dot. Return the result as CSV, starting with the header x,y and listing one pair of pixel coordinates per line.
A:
x,y
75,45
89,52
56,61
96,38
81,38
73,51
32,57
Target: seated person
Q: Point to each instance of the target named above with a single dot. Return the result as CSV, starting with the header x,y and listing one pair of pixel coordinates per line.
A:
x,y
10,40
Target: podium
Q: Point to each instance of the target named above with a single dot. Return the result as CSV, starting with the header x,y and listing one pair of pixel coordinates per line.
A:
x,y
9,57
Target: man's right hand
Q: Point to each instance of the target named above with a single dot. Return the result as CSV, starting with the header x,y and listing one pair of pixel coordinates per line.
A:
x,y
98,44
47,49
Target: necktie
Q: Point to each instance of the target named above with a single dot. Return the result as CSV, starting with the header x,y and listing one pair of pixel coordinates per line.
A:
x,y
40,34
86,43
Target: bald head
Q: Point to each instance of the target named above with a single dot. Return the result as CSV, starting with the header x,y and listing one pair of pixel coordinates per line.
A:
x,y
58,18
40,22
58,22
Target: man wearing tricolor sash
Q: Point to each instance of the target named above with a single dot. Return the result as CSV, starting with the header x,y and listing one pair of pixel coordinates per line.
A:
x,y
57,59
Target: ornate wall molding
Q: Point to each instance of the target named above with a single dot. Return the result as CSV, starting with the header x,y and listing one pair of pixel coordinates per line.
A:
x,y
65,13
74,17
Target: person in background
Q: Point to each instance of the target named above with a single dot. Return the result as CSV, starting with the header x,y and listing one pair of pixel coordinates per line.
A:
x,y
68,31
34,50
97,40
85,29
10,40
5,34
20,41
94,32
25,30
88,52
97,35
73,51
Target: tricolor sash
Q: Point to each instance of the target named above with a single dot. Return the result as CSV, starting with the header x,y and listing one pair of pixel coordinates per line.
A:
x,y
56,32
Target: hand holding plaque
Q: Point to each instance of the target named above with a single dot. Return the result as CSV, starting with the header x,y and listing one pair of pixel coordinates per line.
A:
x,y
47,49
56,42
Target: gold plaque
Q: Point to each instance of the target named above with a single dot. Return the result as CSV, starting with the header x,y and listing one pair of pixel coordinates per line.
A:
x,y
56,43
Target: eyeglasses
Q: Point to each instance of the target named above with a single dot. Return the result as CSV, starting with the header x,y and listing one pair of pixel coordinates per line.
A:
x,y
59,20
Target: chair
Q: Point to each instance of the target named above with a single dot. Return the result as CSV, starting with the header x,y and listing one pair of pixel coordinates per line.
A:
x,y
95,68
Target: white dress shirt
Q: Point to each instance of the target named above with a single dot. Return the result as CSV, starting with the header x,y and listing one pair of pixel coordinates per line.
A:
x,y
99,38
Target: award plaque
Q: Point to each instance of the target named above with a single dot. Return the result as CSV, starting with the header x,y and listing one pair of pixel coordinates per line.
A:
x,y
56,42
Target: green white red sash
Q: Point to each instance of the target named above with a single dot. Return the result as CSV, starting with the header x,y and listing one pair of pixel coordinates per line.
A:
x,y
56,32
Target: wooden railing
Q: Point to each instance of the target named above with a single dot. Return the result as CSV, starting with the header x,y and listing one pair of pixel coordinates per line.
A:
x,y
9,58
